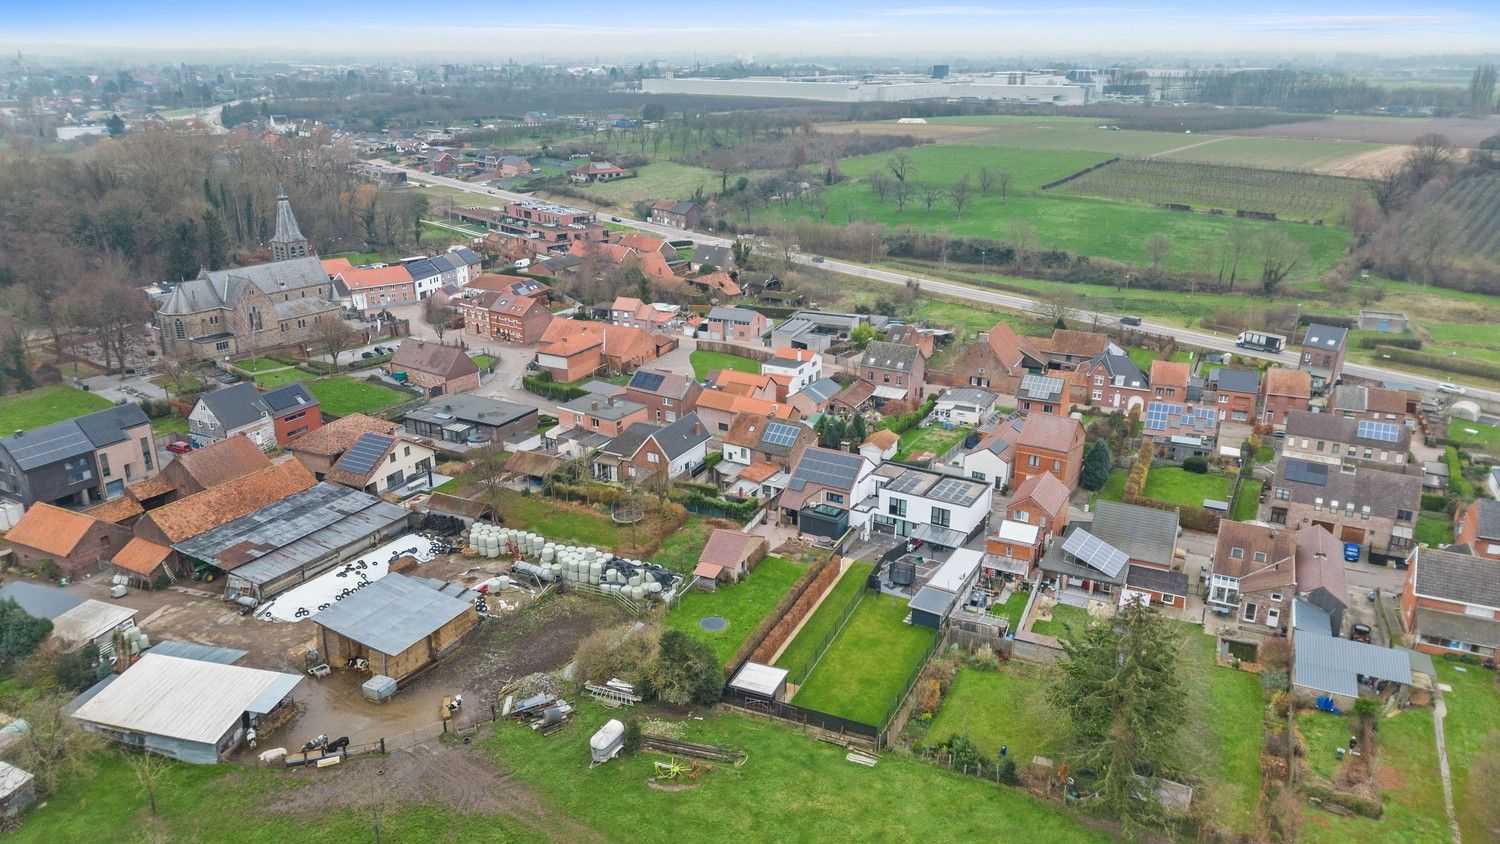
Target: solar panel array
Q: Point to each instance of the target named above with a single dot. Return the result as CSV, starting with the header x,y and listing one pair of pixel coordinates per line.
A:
x,y
1095,552
908,481
829,469
1303,472
361,458
1384,431
1162,415
954,491
1041,385
647,380
780,433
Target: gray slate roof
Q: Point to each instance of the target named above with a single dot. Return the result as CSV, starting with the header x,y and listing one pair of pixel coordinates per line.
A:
x,y
1324,336
286,221
73,437
1341,429
585,405
1488,516
821,390
724,313
887,355
236,405
1156,580
422,268
1144,533
1324,662
1235,380
682,436
1459,628
1384,492
391,614
704,253
1461,578
288,397
222,288
630,440
40,601
1123,371
467,255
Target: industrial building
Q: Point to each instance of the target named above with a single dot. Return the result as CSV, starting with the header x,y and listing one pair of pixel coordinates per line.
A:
x,y
186,709
1014,86
401,625
294,539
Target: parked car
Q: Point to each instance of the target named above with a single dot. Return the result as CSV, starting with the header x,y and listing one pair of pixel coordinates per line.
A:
x,y
179,446
1351,552
1130,320
1446,387
817,259
614,219
367,354
1360,632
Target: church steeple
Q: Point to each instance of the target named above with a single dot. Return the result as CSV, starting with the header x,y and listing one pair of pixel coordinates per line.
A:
x,y
288,241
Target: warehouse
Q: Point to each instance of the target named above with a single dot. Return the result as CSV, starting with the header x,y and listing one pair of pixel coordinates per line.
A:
x,y
401,625
185,709
294,539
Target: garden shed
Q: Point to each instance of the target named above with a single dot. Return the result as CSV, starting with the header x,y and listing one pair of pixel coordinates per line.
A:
x,y
17,790
761,681
400,624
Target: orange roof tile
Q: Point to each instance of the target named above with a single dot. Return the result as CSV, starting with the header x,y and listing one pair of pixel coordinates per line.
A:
x,y
1169,372
223,461
759,472
882,439
337,436
358,279
51,529
334,266
141,556
211,508
119,510
151,487
728,402
1281,381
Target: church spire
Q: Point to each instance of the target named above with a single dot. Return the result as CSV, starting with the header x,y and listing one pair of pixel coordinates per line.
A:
x,y
288,241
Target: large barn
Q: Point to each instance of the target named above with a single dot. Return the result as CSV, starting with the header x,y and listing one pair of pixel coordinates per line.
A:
x,y
401,625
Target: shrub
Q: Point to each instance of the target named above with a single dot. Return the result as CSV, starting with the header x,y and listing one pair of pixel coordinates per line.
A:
x,y
1386,342
1434,502
632,741
965,752
1195,464
615,652
1444,363
685,671
544,386
1008,772
1096,462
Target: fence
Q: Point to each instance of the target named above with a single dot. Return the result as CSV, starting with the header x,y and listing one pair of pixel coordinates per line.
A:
x,y
757,353
802,715
888,719
799,676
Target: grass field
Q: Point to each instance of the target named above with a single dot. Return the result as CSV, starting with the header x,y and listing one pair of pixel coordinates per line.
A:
x,y
342,395
255,365
45,405
170,424
1114,488
1225,705
1247,503
357,258
1064,616
680,551
282,377
1007,706
483,361
802,648
540,514
1471,727
655,181
1012,609
791,789
864,669
1323,733
706,362
1298,196
973,320
1414,812
933,438
1176,485
245,810
1144,357
1486,437
1436,531
744,605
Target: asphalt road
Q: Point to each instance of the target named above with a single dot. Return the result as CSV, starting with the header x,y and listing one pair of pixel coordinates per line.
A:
x,y
1008,301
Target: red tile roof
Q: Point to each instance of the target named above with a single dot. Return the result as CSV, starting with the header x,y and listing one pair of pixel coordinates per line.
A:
x,y
358,279
1008,346
51,530
141,556
223,461
729,548
1281,381
1170,373
211,508
337,436
1046,490
759,471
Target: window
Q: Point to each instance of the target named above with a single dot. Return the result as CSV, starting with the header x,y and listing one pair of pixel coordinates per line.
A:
x,y
1364,512
1273,617
1320,445
896,507
666,402
978,476
394,479
1098,380
1276,597
221,346
146,452
1223,398
1097,395
1021,516
835,498
1250,611
941,517
1282,494
104,464
1236,553
1057,465
406,451
652,457
1403,515
78,470
1033,461
1260,556
178,330
594,422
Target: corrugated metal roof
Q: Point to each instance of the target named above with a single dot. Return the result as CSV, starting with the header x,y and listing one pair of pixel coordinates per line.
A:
x,y
391,614
11,779
202,653
183,698
89,620
758,679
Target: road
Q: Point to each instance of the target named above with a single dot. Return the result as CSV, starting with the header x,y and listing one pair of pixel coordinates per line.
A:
x,y
954,290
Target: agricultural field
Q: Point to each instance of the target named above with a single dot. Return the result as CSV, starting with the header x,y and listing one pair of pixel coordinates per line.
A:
x,y
1476,201
1464,132
342,395
865,669
744,605
654,181
45,405
1213,187
1302,156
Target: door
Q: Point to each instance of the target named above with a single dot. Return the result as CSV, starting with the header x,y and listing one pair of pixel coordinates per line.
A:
x,y
1354,534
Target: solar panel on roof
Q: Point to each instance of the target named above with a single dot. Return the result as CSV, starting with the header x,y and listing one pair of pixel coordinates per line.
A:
x,y
1095,552
361,458
1383,431
1041,384
953,491
780,433
831,470
648,380
1303,472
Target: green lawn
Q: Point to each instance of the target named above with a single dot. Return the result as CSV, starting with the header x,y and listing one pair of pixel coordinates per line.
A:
x,y
483,361
680,551
45,405
1414,812
170,424
357,258
342,395
1225,709
1007,706
744,605
1144,357
974,320
539,514
254,365
1322,735
1486,437
1434,530
1472,721
791,789
706,362
282,377
233,803
801,649
450,486
657,180
1012,609
933,438
1064,616
864,670
1247,502
1176,485
1114,488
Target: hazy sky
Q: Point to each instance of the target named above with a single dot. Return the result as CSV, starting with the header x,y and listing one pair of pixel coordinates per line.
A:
x,y
592,28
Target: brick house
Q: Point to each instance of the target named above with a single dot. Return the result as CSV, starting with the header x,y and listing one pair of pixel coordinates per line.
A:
x,y
272,419
1069,350
573,349
204,468
1169,380
1357,401
1450,603
609,416
372,289
1115,382
1478,526
997,361
1040,500
728,555
1045,443
755,438
1043,394
1339,441
197,514
596,171
320,450
1235,393
896,372
1323,350
1254,575
644,451
679,214
665,395
501,316
1372,508
718,409
436,369
740,325
76,542
1284,390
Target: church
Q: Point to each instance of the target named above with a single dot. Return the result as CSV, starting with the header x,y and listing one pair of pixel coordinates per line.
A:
x,y
248,310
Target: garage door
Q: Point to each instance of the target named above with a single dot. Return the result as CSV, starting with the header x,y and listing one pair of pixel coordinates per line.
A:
x,y
1328,526
1352,534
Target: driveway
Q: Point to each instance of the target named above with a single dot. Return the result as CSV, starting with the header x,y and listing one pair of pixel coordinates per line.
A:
x,y
118,388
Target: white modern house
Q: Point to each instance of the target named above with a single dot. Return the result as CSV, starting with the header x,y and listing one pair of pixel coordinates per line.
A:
x,y
799,366
989,461
935,508
965,406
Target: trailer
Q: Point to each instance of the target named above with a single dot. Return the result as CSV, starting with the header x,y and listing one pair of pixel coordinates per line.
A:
x,y
1261,341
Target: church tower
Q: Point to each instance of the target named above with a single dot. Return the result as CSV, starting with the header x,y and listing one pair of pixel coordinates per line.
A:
x,y
288,241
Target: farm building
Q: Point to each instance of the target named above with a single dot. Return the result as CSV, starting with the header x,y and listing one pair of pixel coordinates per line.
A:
x,y
400,624
74,541
143,561
292,540
186,709
728,555
76,622
1387,322
17,790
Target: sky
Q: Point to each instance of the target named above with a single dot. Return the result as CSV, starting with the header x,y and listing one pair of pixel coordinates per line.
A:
x,y
713,30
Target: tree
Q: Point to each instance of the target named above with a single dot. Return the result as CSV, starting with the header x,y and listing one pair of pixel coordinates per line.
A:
x,y
930,195
1056,306
743,251
20,633
686,672
1002,181
333,336
1097,461
903,192
149,770
880,185
183,251
437,313
76,671
986,180
960,195
1430,234
1236,243
1279,255
1023,237
1124,707
1157,249
1482,88
900,166
861,335
215,241
114,125
1429,154
53,745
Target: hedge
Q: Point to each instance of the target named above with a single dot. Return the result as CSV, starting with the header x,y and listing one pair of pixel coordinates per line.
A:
x,y
1398,342
1434,502
1461,485
1444,363
373,360
906,421
1357,803
543,385
1328,319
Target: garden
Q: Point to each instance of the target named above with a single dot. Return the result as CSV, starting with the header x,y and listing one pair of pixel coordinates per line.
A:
x,y
869,663
46,405
820,625
1176,485
742,605
342,395
1005,706
1066,620
1411,788
932,438
705,362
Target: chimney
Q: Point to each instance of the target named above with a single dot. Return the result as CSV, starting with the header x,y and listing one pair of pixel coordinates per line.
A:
x,y
19,432
697,429
594,405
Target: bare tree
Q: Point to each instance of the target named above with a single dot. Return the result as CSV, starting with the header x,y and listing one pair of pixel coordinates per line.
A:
x,y
1389,187
1429,154
901,166
1056,306
1279,256
960,195
1430,234
1157,249
53,745
930,195
437,313
1022,235
149,770
903,192
1002,181
1236,245
880,184
333,336
986,180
